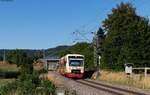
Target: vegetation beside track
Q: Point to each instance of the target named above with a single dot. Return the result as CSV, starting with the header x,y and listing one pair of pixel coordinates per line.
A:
x,y
138,81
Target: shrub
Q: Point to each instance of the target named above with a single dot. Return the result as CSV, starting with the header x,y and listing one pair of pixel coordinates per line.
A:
x,y
8,88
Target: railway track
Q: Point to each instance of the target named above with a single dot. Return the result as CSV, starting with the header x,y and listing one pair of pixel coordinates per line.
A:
x,y
108,88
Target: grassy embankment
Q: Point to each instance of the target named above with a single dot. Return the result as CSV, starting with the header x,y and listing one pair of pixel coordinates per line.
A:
x,y
138,81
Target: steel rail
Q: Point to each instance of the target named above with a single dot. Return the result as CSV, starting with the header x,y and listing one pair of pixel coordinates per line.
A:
x,y
116,88
111,89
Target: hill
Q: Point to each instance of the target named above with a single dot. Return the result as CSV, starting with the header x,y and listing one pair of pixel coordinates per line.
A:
x,y
39,52
55,51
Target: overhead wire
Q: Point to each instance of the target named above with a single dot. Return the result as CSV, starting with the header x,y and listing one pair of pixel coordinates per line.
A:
x,y
80,34
84,30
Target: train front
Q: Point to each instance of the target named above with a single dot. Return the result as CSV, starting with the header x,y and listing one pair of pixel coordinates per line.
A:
x,y
75,66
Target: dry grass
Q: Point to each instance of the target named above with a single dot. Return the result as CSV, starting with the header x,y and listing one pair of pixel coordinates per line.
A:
x,y
121,78
8,67
144,83
13,67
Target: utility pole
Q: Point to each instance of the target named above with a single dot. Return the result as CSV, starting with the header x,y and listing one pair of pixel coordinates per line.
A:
x,y
95,53
97,44
43,53
95,50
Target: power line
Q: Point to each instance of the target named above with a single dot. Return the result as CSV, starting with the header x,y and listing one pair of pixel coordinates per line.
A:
x,y
84,35
84,30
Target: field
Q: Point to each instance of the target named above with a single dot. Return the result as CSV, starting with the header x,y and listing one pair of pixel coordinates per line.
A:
x,y
5,67
8,67
138,81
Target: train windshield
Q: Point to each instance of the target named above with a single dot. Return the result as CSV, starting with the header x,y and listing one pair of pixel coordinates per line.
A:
x,y
76,62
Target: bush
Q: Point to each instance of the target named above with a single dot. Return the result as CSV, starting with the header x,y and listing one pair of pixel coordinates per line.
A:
x,y
26,87
28,84
49,87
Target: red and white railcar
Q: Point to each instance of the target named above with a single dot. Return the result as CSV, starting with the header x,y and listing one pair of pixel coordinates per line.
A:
x,y
72,65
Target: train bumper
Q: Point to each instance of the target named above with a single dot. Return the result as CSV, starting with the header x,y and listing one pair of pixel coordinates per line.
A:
x,y
73,75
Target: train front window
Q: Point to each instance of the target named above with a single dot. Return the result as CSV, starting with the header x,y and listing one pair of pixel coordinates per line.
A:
x,y
76,63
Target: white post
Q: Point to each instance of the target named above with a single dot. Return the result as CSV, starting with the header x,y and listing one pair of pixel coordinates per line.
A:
x,y
99,63
99,60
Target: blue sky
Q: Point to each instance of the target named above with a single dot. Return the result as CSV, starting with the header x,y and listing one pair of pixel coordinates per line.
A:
x,y
38,24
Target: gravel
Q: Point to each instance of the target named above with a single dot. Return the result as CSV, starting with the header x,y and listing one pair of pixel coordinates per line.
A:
x,y
70,84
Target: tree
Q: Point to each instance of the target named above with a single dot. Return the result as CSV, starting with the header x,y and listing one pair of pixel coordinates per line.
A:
x,y
16,57
1,58
125,39
37,55
21,59
100,40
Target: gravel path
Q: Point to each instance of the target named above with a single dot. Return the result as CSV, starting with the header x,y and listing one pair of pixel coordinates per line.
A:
x,y
80,89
